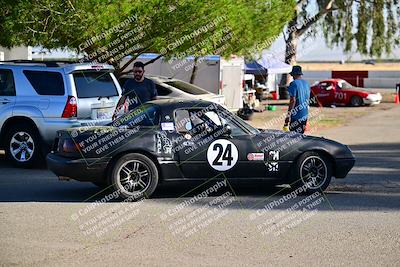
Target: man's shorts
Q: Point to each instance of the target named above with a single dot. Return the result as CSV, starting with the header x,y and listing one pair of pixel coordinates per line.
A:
x,y
298,126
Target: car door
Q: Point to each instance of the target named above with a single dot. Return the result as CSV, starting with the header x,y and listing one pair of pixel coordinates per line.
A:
x,y
341,96
7,94
251,162
326,93
206,151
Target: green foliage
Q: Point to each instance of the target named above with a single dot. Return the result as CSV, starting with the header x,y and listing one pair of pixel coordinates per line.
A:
x,y
370,27
170,27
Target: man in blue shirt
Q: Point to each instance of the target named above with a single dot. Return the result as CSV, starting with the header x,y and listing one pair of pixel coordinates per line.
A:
x,y
299,91
138,90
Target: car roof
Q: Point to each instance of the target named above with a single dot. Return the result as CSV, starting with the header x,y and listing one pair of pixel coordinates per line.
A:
x,y
67,66
332,80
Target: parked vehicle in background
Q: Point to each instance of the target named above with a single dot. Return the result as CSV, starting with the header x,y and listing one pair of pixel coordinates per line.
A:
x,y
340,92
174,88
39,98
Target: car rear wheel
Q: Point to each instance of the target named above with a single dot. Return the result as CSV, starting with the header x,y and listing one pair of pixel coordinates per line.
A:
x,y
313,172
134,176
356,101
23,146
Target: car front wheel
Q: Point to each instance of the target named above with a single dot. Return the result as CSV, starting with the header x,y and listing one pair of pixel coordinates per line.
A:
x,y
313,172
134,176
356,101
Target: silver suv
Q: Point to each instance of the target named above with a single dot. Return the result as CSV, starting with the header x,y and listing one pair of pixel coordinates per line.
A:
x,y
39,98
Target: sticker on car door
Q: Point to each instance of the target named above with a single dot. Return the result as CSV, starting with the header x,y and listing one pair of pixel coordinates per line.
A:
x,y
222,155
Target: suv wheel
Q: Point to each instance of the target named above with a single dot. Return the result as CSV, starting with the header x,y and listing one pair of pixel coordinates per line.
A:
x,y
23,145
134,176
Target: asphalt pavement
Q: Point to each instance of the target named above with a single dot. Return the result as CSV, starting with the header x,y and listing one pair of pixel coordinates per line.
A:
x,y
48,222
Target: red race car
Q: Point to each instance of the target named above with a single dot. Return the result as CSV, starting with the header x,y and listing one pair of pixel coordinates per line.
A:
x,y
339,92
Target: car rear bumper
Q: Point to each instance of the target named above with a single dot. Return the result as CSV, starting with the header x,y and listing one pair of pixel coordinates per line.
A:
x,y
89,170
343,166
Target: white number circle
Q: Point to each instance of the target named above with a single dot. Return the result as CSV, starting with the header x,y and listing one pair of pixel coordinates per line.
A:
x,y
222,155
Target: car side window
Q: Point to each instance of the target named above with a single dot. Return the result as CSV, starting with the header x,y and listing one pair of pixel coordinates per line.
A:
x,y
182,121
7,86
162,91
236,130
196,121
46,82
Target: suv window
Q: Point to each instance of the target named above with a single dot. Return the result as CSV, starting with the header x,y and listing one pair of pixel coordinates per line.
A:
x,y
7,87
94,84
46,82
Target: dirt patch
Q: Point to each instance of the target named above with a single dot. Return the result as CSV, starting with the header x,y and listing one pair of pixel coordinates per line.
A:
x,y
320,118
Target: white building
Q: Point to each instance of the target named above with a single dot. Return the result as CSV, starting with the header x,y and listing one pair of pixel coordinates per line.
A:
x,y
19,52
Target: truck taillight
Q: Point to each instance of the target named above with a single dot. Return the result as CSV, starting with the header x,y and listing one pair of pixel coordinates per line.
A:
x,y
70,109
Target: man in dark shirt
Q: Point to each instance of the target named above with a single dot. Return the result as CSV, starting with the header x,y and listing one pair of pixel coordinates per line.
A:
x,y
137,91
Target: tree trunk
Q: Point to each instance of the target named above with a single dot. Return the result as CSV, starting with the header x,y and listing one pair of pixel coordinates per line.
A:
x,y
194,70
291,49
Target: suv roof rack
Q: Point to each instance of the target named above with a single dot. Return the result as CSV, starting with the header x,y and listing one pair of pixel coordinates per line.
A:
x,y
47,63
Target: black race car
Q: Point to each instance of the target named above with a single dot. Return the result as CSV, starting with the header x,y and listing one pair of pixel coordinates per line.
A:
x,y
164,140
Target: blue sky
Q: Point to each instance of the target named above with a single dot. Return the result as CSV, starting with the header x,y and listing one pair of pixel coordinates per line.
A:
x,y
308,50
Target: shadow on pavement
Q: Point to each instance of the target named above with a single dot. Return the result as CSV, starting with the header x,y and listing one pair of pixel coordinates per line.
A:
x,y
372,185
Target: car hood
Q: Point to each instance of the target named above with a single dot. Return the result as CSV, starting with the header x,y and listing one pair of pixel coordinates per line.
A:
x,y
295,143
360,90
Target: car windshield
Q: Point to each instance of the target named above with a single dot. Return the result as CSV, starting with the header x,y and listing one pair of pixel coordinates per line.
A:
x,y
227,116
344,85
187,87
94,84
144,115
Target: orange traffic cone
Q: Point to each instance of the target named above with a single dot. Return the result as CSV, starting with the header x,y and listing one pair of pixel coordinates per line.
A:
x,y
396,99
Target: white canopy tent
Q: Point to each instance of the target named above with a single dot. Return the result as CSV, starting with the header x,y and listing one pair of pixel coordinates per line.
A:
x,y
274,65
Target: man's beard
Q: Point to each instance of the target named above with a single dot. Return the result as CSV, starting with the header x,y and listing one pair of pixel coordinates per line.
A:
x,y
138,77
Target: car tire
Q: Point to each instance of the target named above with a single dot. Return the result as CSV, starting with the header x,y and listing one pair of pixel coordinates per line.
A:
x,y
356,101
312,172
23,146
134,171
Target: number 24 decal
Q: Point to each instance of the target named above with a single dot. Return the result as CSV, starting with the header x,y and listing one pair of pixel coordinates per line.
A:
x,y
222,155
227,154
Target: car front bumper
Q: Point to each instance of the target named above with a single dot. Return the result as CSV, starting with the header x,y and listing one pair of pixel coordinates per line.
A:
x,y
343,166
373,99
88,170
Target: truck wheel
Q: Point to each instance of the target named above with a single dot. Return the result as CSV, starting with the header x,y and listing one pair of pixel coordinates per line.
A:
x,y
134,176
313,172
23,146
356,101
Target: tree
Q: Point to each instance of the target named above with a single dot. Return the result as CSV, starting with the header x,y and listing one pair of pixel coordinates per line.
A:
x,y
367,26
173,28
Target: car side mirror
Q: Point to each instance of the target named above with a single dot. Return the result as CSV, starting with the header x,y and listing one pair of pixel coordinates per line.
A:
x,y
227,130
